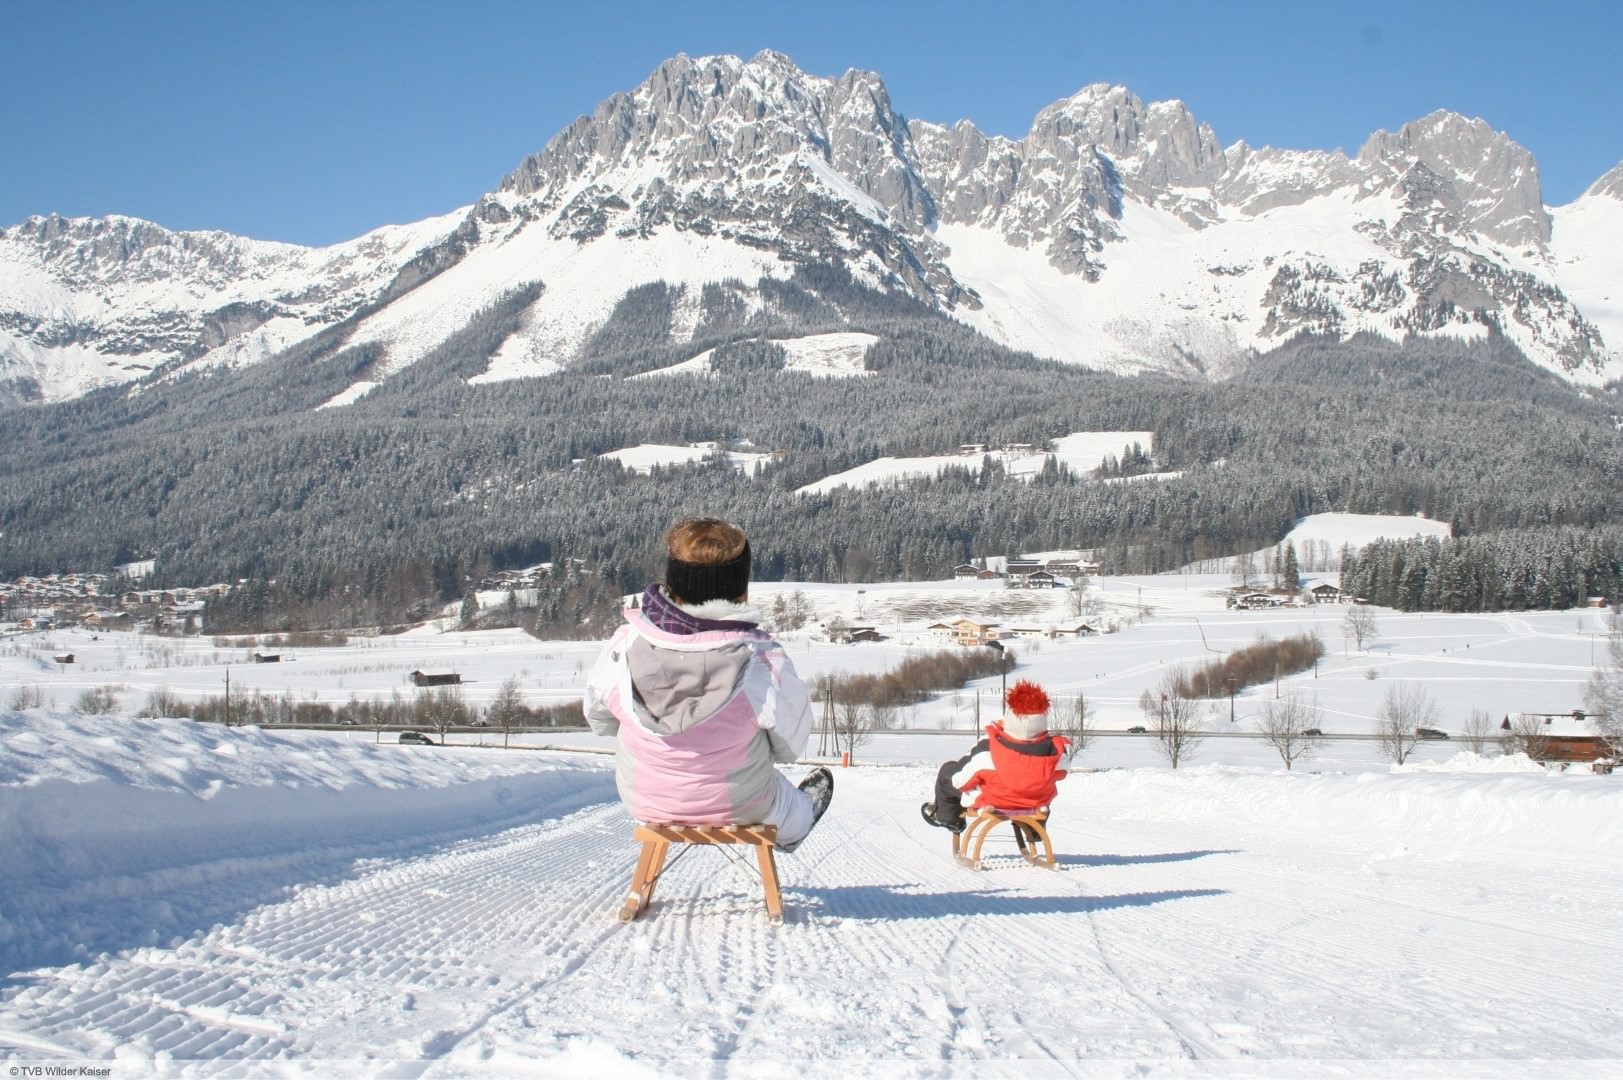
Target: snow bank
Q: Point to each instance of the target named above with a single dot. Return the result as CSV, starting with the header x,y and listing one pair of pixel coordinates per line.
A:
x,y
1444,809
120,831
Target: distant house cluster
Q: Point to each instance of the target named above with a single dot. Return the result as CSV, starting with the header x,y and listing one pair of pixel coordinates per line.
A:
x,y
1030,573
977,448
58,600
1258,599
969,632
529,578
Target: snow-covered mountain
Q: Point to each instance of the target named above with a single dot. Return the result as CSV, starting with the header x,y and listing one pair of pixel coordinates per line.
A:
x,y
1115,234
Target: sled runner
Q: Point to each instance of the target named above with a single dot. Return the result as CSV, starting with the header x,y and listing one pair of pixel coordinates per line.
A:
x,y
1030,831
656,841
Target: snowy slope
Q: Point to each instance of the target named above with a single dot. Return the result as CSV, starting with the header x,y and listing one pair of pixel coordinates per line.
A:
x,y
1081,452
313,906
829,356
91,302
1588,255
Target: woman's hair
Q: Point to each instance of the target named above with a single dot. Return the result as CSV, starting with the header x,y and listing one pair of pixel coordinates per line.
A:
x,y
709,559
705,541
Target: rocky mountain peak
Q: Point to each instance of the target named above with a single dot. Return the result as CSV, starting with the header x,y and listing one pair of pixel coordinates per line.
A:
x,y
1492,183
1609,185
752,167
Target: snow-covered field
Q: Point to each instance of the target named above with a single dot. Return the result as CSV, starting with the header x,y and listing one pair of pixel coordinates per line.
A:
x,y
187,899
192,900
1081,452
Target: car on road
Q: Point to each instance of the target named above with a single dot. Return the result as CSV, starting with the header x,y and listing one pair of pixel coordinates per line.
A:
x,y
1430,733
416,737
1312,731
1136,729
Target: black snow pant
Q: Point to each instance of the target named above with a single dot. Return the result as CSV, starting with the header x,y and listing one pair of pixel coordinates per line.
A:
x,y
949,808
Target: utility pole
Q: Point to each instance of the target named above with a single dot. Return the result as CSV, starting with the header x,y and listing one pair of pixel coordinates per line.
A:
x,y
227,697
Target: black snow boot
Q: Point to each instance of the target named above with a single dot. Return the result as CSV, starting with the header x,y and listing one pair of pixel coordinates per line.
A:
x,y
928,810
819,786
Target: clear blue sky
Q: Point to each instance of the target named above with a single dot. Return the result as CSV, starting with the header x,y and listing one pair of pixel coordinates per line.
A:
x,y
313,122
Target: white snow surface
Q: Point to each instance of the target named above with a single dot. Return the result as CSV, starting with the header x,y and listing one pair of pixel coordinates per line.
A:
x,y
1589,261
1082,452
821,355
185,899
643,457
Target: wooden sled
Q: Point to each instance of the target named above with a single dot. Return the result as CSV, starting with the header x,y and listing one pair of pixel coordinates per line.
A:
x,y
1030,834
656,841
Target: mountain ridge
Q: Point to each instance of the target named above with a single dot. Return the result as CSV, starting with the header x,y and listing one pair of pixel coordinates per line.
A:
x,y
1115,234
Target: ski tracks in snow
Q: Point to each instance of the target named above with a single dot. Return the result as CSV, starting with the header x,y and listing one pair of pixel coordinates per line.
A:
x,y
1153,943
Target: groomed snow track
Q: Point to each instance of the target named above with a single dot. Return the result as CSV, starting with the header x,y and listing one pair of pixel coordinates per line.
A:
x,y
1175,938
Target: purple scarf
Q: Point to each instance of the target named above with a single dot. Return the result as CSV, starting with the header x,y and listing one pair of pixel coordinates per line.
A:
x,y
662,612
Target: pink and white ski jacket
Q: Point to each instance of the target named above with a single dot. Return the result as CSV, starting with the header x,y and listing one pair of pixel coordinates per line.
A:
x,y
701,717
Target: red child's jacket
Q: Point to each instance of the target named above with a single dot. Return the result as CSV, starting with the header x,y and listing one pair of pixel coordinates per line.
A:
x,y
1015,774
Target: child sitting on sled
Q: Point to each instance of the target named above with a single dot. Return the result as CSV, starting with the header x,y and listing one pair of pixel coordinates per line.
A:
x,y
1017,766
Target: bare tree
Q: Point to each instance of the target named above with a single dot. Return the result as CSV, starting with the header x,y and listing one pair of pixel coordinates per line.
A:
x,y
883,717
26,697
1080,601
1291,726
1074,720
96,701
163,702
853,726
1603,697
1480,732
1405,709
1245,568
441,708
1359,624
1528,735
1178,728
507,708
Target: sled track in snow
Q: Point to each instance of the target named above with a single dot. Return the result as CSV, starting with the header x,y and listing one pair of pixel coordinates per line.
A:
x,y
1153,942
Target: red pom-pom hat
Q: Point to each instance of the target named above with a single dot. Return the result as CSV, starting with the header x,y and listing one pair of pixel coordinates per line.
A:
x,y
1027,699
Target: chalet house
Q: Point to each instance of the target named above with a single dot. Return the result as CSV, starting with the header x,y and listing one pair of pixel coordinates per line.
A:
x,y
106,618
972,448
1037,579
267,658
1018,568
942,631
866,633
1327,594
1589,749
988,575
63,658
1063,567
965,570
1253,601
425,678
970,632
1077,631
845,635
1568,738
1026,632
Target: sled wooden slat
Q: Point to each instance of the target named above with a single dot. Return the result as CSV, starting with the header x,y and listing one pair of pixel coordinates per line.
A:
x,y
656,840
1038,850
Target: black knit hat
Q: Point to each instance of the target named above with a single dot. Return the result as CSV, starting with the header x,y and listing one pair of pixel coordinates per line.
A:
x,y
695,583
